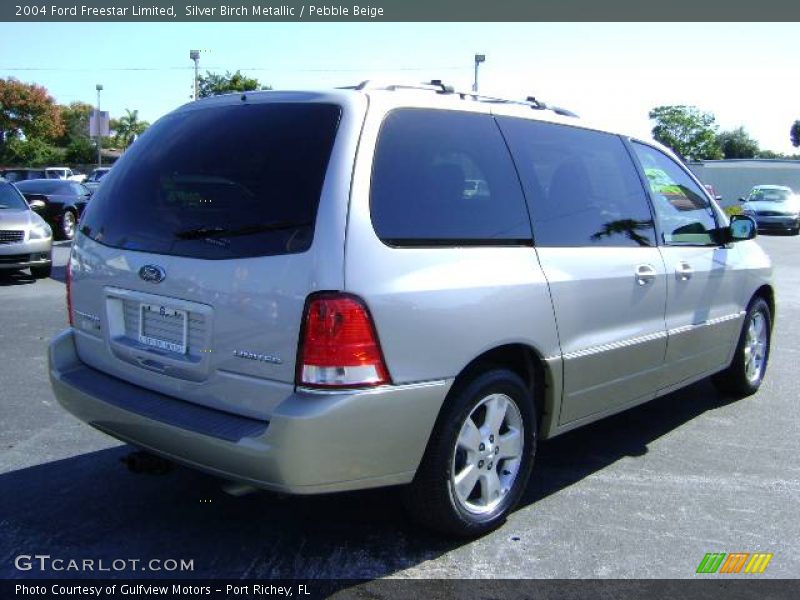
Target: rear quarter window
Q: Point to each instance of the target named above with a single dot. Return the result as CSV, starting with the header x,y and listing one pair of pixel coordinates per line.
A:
x,y
220,182
445,178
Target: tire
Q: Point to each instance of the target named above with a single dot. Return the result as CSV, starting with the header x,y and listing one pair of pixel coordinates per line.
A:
x,y
42,272
744,375
795,231
461,444
69,222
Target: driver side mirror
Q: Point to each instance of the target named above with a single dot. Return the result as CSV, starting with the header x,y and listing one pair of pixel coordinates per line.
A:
x,y
742,228
742,200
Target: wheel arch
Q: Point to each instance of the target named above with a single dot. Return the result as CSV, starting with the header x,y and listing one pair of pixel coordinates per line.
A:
x,y
768,294
529,365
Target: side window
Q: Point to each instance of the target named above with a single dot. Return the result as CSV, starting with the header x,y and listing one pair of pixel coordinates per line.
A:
x,y
684,213
445,177
582,186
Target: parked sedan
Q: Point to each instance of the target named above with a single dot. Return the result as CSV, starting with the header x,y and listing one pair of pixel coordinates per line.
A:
x,y
774,207
93,180
60,202
25,238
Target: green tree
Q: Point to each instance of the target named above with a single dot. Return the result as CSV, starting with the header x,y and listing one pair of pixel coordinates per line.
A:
x,y
214,84
81,151
75,118
690,132
31,152
27,110
794,134
769,154
128,126
737,144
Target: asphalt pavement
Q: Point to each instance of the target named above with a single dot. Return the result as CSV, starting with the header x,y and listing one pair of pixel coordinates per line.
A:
x,y
644,494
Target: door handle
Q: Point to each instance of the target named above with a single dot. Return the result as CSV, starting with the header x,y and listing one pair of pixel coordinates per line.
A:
x,y
645,274
684,271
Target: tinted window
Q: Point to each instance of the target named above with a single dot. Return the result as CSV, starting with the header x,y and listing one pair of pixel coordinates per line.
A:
x,y
22,174
683,211
222,182
582,186
445,177
44,186
77,189
10,198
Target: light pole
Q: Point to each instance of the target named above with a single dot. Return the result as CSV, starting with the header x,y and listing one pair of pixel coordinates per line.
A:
x,y
479,58
99,88
195,56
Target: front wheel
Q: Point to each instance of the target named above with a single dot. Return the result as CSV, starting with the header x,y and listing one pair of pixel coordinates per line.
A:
x,y
745,374
479,457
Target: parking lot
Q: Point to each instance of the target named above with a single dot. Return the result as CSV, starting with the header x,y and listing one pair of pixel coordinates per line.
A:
x,y
644,494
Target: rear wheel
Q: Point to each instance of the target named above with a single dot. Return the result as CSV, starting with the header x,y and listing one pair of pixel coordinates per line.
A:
x,y
479,457
745,374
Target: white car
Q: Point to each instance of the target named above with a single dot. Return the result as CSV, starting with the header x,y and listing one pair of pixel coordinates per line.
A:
x,y
64,173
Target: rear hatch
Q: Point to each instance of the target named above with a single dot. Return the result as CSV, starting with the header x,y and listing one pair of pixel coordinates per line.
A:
x,y
194,259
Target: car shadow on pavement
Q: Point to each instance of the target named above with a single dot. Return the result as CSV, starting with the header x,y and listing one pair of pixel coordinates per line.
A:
x,y
8,278
59,274
566,459
91,506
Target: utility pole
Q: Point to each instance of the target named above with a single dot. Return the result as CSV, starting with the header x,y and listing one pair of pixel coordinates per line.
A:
x,y
99,88
479,58
195,56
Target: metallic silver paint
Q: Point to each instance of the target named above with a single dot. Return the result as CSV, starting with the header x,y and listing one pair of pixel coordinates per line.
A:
x,y
615,327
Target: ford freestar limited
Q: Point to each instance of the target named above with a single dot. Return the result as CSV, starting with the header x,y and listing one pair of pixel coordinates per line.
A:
x,y
320,291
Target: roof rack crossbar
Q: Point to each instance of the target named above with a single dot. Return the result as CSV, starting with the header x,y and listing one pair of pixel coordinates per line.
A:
x,y
438,86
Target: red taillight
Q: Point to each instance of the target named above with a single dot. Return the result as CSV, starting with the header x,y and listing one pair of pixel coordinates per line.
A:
x,y
69,292
339,346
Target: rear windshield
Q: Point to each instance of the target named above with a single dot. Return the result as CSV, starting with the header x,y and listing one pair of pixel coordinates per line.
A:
x,y
44,186
221,182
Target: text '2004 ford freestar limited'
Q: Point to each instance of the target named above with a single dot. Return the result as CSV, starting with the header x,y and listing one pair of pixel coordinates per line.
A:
x,y
302,291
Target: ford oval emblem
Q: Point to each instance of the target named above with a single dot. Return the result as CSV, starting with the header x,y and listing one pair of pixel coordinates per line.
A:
x,y
152,273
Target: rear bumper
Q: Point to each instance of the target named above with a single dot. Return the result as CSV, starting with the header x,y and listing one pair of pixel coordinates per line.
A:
x,y
312,443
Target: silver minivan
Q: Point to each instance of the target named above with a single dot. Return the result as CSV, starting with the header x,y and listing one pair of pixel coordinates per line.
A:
x,y
301,291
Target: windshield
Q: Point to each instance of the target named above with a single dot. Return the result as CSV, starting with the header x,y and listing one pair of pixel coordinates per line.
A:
x,y
769,195
10,198
222,182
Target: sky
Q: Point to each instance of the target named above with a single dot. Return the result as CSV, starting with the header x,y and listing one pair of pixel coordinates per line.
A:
x,y
746,74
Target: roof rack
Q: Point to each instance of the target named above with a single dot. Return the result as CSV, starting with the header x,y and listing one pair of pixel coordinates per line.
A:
x,y
436,85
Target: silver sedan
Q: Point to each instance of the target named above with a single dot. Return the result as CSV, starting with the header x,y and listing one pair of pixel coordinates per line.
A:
x,y
26,240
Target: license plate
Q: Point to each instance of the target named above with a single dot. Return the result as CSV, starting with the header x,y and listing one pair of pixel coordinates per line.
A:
x,y
163,327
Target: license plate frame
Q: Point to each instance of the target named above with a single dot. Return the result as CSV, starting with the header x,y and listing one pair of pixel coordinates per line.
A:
x,y
168,312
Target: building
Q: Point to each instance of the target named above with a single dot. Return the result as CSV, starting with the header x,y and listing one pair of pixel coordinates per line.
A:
x,y
733,178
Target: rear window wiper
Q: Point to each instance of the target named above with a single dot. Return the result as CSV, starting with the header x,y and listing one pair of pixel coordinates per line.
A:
x,y
199,233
